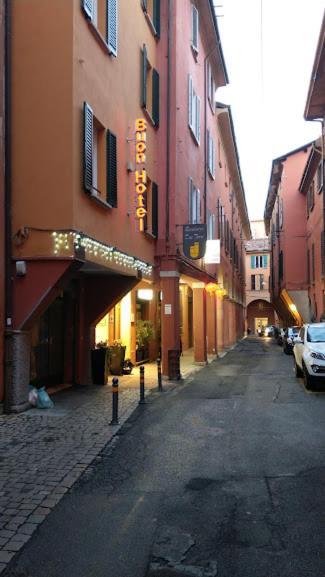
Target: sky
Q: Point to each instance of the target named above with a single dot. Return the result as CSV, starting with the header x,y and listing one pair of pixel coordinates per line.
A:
x,y
269,48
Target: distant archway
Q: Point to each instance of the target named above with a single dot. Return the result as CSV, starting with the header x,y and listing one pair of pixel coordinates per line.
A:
x,y
259,313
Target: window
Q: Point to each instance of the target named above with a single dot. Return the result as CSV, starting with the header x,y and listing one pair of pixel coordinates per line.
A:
x,y
100,160
195,29
261,282
281,266
253,284
211,221
319,177
194,204
220,222
151,202
103,15
150,88
259,261
151,9
310,198
211,155
211,88
281,214
193,110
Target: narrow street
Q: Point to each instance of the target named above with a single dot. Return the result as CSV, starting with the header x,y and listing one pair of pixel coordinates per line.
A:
x,y
222,476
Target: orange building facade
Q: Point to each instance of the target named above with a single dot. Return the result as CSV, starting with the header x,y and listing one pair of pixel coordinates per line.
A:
x,y
114,149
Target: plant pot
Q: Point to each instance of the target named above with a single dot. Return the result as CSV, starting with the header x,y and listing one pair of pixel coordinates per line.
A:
x,y
115,360
98,365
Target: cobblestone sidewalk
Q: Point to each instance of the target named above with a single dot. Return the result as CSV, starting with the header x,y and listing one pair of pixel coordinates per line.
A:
x,y
43,453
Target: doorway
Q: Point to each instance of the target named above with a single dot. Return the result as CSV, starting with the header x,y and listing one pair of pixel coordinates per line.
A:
x,y
260,323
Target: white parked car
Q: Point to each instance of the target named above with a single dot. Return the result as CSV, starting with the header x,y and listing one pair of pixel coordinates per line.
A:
x,y
309,353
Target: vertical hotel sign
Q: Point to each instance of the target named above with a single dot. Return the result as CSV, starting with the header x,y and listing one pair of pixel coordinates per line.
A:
x,y
140,171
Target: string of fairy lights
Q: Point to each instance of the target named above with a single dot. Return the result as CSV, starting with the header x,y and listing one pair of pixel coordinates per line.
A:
x,y
62,242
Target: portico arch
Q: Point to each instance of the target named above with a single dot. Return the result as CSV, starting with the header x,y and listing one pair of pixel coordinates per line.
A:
x,y
259,309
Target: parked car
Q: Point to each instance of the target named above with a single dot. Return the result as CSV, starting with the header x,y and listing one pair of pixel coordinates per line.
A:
x,y
280,336
309,353
287,340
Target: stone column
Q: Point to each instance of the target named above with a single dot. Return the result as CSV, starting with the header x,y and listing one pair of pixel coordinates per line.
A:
x,y
170,333
199,323
211,322
17,370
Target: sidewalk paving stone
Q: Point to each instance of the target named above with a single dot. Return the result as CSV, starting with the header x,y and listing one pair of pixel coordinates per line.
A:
x,y
44,452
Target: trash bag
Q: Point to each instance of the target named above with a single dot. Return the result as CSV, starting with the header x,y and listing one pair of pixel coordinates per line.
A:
x,y
43,400
32,396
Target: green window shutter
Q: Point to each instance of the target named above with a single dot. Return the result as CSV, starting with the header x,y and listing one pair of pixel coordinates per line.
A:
x,y
88,8
156,16
154,204
111,25
155,97
144,69
252,261
111,149
265,261
88,148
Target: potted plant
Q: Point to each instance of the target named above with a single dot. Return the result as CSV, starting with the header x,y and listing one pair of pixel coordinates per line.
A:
x,y
115,358
144,333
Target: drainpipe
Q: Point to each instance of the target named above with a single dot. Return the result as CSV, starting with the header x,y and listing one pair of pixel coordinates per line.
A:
x,y
7,132
169,49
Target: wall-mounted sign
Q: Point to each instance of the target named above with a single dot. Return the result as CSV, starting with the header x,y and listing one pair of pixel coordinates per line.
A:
x,y
212,253
168,309
140,171
194,240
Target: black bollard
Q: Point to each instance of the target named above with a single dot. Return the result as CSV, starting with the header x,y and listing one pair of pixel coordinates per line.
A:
x,y
142,399
115,420
160,389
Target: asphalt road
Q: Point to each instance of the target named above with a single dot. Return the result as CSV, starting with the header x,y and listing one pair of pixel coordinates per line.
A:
x,y
222,477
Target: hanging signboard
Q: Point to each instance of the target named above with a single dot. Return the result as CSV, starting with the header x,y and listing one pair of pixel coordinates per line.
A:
x,y
140,172
194,240
212,253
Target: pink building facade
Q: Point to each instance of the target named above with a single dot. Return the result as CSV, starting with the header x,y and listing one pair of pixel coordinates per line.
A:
x,y
294,221
202,305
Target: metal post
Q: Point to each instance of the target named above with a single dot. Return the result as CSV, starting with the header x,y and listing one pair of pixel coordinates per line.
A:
x,y
160,389
115,420
142,399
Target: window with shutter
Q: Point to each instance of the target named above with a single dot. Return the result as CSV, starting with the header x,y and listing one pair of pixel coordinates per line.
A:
x,y
190,102
195,29
151,8
111,169
313,263
88,8
154,204
103,14
155,97
149,88
193,110
144,73
253,282
111,19
88,148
